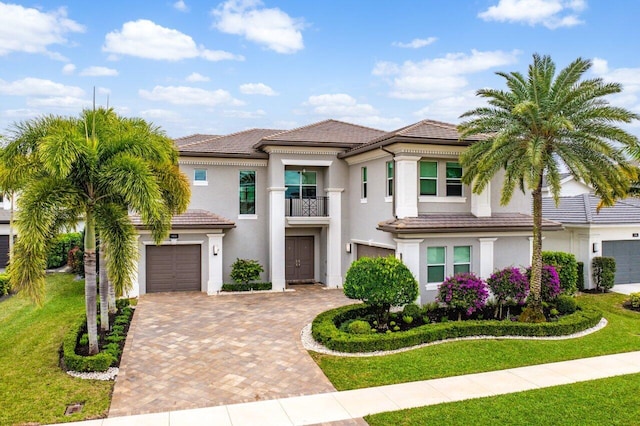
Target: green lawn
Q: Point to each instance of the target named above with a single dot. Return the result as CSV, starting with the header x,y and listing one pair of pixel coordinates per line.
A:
x,y
612,401
32,386
465,357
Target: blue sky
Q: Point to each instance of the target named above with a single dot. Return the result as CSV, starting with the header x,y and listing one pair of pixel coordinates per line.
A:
x,y
223,66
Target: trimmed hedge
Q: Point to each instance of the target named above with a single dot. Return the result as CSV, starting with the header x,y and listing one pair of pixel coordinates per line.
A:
x,y
246,287
72,361
604,272
566,267
4,284
325,330
59,249
581,285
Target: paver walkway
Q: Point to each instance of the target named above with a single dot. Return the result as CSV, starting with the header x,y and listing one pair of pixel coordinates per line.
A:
x,y
190,350
347,408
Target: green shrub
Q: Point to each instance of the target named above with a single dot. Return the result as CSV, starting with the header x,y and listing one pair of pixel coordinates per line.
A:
x,y
325,330
72,361
122,303
59,248
77,262
5,285
604,272
247,287
634,299
566,304
381,282
83,340
411,310
359,327
113,349
581,283
566,267
244,271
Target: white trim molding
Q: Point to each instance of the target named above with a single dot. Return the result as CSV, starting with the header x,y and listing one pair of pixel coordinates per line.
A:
x,y
223,162
308,163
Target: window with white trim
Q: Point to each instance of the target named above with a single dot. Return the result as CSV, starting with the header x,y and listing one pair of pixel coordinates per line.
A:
x,y
454,180
200,177
429,178
436,264
363,183
389,168
247,192
461,259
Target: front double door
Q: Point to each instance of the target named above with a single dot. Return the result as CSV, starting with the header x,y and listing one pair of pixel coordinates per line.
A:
x,y
299,259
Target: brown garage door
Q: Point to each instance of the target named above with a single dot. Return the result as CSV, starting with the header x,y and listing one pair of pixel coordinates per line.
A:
x,y
371,251
4,250
173,268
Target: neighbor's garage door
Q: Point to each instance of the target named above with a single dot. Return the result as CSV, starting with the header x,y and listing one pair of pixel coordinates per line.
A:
x,y
627,255
4,250
173,268
371,251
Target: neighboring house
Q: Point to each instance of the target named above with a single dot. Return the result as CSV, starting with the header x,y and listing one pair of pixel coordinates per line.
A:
x,y
568,187
612,231
5,219
307,202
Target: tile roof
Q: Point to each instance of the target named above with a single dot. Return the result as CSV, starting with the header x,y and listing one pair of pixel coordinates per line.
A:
x,y
583,209
324,133
445,223
436,131
238,144
192,219
191,139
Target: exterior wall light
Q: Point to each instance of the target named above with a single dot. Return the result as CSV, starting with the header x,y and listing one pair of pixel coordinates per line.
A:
x,y
347,247
216,250
596,247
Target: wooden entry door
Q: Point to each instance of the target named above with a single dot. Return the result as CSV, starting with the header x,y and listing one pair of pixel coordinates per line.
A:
x,y
299,259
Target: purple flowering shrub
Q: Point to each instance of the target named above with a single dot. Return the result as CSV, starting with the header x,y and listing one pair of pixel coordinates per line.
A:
x,y
509,285
463,292
550,283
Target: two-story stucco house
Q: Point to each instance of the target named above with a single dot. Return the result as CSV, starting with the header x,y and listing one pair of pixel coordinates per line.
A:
x,y
307,202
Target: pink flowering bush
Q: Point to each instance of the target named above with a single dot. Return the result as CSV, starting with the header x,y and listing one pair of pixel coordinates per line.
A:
x,y
509,285
463,292
550,285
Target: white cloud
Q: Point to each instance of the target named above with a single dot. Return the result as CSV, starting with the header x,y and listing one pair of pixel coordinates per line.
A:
x,y
30,30
342,106
629,78
550,13
103,91
161,114
272,28
450,108
68,69
146,39
416,43
59,102
244,114
181,6
183,95
195,77
99,72
257,89
21,113
38,87
439,77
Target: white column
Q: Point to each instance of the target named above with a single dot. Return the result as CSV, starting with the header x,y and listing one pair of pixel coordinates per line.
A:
x,y
409,252
334,238
531,248
481,203
214,259
593,239
406,186
486,257
276,237
135,279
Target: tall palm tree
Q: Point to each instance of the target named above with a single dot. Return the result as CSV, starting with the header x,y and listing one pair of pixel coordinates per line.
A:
x,y
544,123
96,168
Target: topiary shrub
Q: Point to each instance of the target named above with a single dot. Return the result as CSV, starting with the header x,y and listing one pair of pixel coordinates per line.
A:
x,y
550,283
359,327
4,284
463,292
566,304
634,300
244,271
581,276
567,268
508,285
604,272
380,282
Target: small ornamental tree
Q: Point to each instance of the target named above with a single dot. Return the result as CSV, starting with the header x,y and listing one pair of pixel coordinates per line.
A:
x,y
508,285
463,292
604,272
244,271
550,283
381,282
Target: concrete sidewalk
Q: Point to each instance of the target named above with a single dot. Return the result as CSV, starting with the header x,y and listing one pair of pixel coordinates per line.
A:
x,y
354,404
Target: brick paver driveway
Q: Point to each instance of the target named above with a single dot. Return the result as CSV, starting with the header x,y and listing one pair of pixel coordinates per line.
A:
x,y
190,350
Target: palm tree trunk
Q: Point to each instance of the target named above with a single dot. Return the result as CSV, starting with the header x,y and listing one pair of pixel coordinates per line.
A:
x,y
535,284
90,281
112,298
104,288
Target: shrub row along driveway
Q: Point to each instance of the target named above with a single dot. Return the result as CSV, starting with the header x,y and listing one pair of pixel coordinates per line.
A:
x,y
190,350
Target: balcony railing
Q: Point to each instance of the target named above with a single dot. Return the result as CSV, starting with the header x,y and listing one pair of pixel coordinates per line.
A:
x,y
311,207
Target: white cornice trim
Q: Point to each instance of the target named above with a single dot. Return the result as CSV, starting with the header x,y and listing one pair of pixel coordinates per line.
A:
x,y
309,163
302,150
223,162
367,156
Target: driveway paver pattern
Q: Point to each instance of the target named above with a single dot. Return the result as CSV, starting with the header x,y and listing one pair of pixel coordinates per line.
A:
x,y
190,350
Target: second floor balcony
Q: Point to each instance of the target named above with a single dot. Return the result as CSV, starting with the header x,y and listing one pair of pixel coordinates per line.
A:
x,y
307,207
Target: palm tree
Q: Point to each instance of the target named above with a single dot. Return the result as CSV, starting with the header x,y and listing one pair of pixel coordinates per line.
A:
x,y
96,168
542,124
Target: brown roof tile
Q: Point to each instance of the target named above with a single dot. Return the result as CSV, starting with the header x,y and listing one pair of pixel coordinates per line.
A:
x,y
238,144
324,133
443,223
191,139
192,219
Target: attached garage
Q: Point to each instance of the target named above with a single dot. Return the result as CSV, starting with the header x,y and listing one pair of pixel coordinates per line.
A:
x,y
4,250
363,250
173,268
627,256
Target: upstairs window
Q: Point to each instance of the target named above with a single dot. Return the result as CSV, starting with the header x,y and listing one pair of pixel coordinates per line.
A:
x,y
428,178
454,180
247,192
389,167
300,184
363,185
200,177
